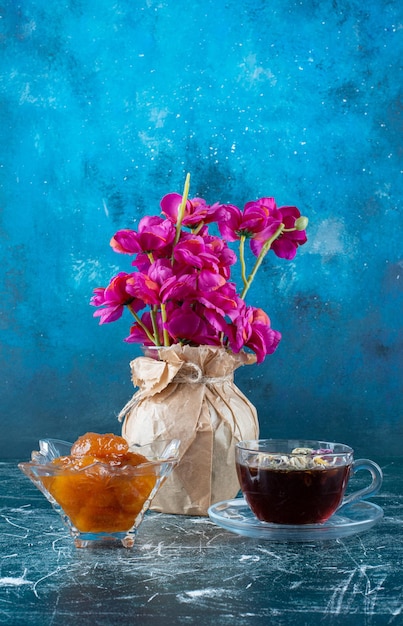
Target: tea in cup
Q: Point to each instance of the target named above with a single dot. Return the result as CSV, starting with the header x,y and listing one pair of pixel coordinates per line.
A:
x,y
289,481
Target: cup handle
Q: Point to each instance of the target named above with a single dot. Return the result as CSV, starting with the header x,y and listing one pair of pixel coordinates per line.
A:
x,y
373,488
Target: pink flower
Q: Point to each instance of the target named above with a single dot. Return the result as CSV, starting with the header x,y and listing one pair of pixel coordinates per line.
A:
x,y
196,210
142,261
114,298
179,288
148,285
251,329
193,252
225,257
224,300
154,234
198,268
286,245
190,286
208,252
182,273
186,324
258,221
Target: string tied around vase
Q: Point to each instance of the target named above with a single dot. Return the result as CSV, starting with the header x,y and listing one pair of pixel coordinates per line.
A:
x,y
190,373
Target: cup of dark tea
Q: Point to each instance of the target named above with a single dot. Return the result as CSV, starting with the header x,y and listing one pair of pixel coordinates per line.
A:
x,y
292,481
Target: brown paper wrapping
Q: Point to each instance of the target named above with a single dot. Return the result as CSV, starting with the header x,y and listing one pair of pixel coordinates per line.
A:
x,y
188,393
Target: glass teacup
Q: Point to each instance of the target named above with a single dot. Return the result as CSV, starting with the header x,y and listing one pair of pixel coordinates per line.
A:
x,y
292,481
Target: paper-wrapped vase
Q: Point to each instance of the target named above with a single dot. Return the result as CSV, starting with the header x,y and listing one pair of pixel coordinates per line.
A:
x,y
188,393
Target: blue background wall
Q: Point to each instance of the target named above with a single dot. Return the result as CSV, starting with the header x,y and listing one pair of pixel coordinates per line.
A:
x,y
105,105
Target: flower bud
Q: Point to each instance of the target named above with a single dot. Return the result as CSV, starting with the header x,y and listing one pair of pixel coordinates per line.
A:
x,y
301,223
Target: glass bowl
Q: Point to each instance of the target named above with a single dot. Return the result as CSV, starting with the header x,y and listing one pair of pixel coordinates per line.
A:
x,y
101,502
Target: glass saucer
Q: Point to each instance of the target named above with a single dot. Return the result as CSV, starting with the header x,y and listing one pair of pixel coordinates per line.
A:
x,y
236,516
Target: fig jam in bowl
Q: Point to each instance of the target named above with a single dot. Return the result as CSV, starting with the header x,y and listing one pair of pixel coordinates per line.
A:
x,y
100,487
289,481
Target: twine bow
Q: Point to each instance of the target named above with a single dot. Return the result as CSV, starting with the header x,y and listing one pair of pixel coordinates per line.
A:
x,y
190,373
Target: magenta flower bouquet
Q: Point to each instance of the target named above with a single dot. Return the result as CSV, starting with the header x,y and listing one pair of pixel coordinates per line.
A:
x,y
181,291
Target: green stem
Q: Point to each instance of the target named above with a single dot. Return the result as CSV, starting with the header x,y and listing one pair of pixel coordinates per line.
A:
x,y
140,323
198,228
164,319
153,315
242,259
260,258
181,211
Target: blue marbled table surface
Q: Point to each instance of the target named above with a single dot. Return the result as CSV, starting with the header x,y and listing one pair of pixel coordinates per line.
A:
x,y
186,570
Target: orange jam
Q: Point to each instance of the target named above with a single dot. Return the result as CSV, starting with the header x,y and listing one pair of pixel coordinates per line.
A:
x,y
98,487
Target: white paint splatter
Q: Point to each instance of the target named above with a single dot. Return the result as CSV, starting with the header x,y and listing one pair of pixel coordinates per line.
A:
x,y
329,239
25,508
15,581
270,553
158,116
249,557
253,72
88,270
197,594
